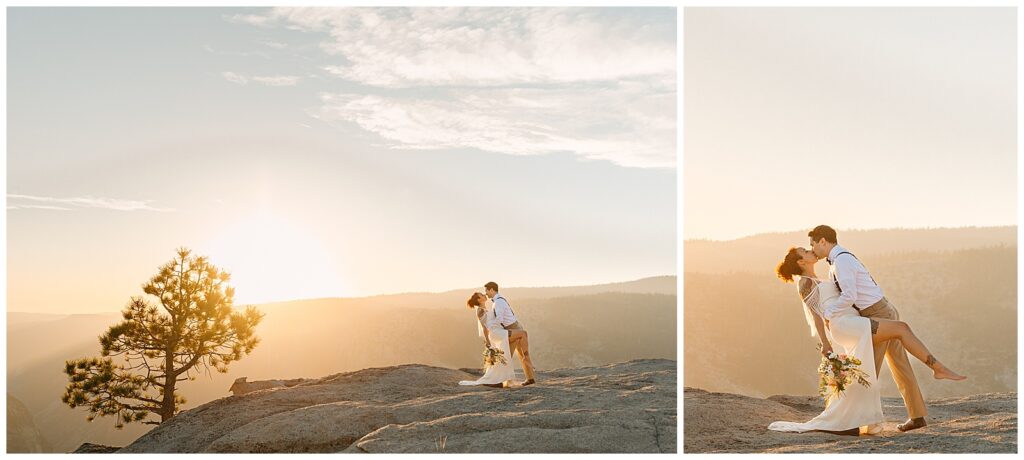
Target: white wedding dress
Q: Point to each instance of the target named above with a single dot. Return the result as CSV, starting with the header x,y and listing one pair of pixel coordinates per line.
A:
x,y
499,372
850,334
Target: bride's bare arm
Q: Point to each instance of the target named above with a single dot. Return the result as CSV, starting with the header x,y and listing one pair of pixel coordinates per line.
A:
x,y
480,318
819,324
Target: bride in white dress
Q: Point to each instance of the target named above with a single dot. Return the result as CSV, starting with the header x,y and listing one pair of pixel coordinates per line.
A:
x,y
494,336
848,333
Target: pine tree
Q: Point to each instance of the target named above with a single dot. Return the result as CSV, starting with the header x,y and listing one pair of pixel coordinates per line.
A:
x,y
194,329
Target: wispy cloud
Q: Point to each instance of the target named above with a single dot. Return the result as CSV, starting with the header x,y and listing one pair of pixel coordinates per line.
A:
x,y
37,206
596,82
399,47
276,45
80,202
278,80
621,125
251,19
235,78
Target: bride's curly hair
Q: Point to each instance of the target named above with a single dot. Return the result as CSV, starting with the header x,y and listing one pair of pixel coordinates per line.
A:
x,y
788,268
474,300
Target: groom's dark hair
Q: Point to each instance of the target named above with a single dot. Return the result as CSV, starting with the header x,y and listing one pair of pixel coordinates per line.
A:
x,y
492,285
823,231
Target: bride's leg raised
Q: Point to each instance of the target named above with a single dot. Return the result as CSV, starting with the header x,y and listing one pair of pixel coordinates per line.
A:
x,y
891,329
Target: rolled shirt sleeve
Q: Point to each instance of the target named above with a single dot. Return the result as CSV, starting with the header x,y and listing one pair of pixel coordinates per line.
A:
x,y
846,273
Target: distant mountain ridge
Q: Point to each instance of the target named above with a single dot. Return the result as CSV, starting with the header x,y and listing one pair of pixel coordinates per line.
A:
x,y
759,253
23,435
323,336
992,231
957,288
664,284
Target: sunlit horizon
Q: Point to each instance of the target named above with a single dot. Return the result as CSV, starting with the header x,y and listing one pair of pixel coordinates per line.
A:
x,y
240,303
843,229
307,165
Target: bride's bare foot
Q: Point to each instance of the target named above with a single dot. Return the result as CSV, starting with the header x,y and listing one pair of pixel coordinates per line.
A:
x,y
941,371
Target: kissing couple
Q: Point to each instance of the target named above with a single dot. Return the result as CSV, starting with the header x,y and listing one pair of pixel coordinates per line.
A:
x,y
500,329
852,318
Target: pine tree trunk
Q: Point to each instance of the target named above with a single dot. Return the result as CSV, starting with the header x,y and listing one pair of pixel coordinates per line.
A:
x,y
167,406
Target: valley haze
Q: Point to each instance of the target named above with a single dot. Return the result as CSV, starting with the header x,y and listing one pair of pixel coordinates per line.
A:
x,y
570,327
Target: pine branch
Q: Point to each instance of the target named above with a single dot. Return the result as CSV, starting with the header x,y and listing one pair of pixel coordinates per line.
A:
x,y
197,328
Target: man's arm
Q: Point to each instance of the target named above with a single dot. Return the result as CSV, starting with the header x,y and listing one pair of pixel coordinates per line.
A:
x,y
846,273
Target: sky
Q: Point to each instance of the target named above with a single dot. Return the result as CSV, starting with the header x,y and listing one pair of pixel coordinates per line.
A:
x,y
857,118
337,151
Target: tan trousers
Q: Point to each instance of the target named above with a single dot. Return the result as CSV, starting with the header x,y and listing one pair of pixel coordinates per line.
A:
x,y
518,340
899,363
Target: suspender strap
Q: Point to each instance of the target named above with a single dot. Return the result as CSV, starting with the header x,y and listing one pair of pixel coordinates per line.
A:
x,y
836,280
506,303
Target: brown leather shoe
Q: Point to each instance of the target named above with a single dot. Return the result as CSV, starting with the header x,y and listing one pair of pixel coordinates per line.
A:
x,y
529,382
912,424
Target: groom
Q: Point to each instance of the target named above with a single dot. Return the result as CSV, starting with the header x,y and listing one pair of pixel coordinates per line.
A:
x,y
517,337
859,290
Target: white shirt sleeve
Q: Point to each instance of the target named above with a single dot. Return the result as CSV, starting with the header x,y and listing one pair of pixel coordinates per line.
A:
x,y
846,273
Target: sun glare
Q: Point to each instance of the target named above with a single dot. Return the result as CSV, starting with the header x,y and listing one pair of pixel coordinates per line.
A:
x,y
271,258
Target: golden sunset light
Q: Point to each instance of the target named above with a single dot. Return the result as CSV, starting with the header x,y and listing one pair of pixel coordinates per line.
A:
x,y
273,258
350,176
850,246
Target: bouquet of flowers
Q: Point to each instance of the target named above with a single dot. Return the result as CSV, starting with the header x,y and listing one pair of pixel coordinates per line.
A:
x,y
837,372
493,356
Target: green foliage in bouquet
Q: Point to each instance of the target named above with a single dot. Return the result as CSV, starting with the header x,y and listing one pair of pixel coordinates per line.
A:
x,y
493,356
837,372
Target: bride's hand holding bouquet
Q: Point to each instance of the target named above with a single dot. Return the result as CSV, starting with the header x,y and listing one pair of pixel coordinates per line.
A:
x,y
837,373
493,356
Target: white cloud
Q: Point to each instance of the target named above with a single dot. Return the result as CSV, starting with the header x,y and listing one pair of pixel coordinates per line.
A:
x,y
595,82
397,47
34,206
235,78
624,125
278,80
251,19
276,45
82,202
